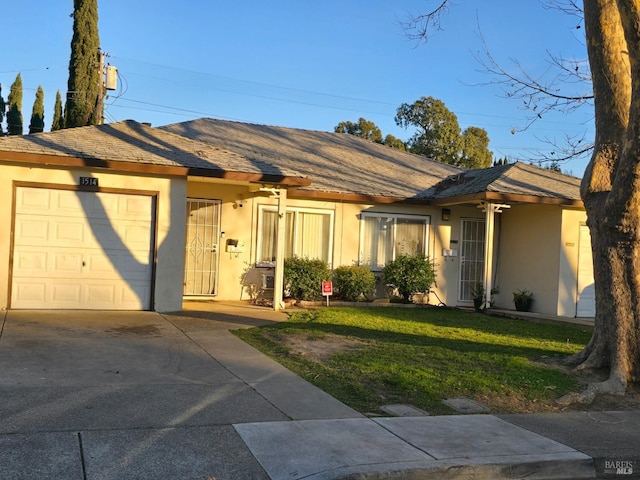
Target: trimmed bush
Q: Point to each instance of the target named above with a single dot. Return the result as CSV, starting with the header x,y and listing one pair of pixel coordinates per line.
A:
x,y
409,275
354,283
303,278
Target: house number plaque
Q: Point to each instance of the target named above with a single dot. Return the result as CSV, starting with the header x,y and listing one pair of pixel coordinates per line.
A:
x,y
88,182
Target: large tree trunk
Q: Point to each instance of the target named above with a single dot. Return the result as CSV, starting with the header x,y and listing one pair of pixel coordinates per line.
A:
x,y
611,194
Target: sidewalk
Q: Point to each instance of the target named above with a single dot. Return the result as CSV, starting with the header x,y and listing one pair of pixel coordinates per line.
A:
x,y
114,395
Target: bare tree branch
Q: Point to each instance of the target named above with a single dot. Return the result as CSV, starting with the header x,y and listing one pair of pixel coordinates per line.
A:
x,y
418,26
564,87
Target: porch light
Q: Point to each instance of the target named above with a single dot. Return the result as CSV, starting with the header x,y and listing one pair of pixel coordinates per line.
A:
x,y
446,214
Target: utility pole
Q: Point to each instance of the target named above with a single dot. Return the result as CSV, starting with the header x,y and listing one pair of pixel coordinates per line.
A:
x,y
108,80
101,92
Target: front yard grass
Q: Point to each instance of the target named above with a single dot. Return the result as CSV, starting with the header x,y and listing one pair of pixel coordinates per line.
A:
x,y
370,357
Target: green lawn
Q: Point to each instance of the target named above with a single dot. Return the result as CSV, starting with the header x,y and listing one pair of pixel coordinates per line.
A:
x,y
370,357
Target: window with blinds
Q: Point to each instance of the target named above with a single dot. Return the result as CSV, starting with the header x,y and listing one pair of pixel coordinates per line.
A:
x,y
309,234
383,237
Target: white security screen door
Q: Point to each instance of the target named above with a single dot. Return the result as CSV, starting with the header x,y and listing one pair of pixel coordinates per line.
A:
x,y
471,257
202,247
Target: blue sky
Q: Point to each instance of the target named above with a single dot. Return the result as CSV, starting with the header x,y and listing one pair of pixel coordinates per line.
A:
x,y
302,64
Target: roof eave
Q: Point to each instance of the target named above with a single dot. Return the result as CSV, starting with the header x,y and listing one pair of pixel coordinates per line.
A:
x,y
148,168
508,198
355,198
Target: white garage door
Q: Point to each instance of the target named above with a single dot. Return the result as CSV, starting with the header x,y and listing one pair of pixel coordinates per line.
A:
x,y
586,306
81,250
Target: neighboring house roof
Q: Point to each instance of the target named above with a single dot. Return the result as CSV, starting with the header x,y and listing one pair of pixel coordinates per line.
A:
x,y
132,146
512,183
340,166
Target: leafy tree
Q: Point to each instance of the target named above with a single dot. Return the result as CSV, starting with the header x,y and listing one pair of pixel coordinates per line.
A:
x,y
3,107
363,128
58,118
438,132
37,114
393,142
475,148
14,115
84,90
610,191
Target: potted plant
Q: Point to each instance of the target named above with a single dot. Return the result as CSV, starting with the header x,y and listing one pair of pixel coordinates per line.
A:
x,y
522,299
478,296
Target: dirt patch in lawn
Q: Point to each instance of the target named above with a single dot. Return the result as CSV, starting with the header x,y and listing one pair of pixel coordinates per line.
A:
x,y
320,349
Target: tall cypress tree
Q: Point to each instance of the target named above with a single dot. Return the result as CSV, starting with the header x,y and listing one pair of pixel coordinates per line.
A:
x,y
14,115
84,88
37,113
3,107
58,119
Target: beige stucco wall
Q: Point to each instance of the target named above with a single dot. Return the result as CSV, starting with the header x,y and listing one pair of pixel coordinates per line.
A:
x,y
242,223
170,221
529,245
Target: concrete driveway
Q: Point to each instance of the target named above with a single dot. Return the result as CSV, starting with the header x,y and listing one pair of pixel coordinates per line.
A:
x,y
114,395
120,395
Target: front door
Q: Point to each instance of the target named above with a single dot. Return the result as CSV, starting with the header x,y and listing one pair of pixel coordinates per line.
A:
x,y
471,257
202,247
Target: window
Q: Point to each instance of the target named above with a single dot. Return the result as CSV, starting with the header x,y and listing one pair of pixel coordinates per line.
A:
x,y
309,234
386,236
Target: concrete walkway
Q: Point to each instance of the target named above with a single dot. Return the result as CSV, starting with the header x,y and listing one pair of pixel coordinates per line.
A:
x,y
121,395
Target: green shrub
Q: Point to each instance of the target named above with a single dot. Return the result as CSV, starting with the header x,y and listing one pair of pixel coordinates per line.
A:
x,y
303,278
354,283
409,275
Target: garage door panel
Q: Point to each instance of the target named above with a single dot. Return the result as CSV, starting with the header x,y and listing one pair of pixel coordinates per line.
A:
x,y
65,293
31,262
32,230
86,250
29,292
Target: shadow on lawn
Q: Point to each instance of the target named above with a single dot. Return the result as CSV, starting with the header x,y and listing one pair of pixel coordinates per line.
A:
x,y
505,331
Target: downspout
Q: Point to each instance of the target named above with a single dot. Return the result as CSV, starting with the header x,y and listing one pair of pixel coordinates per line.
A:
x,y
278,281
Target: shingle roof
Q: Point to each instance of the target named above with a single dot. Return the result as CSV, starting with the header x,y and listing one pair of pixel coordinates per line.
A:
x,y
336,163
135,143
516,179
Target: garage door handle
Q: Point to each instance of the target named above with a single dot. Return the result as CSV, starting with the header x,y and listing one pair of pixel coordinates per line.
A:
x,y
84,264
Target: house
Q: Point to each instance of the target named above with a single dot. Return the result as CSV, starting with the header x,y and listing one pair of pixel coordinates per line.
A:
x,y
125,216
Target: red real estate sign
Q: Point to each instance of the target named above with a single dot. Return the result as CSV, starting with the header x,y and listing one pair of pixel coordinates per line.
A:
x,y
327,288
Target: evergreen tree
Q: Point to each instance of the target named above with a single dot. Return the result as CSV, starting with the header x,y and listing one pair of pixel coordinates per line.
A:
x,y
58,119
3,107
37,114
84,89
14,115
